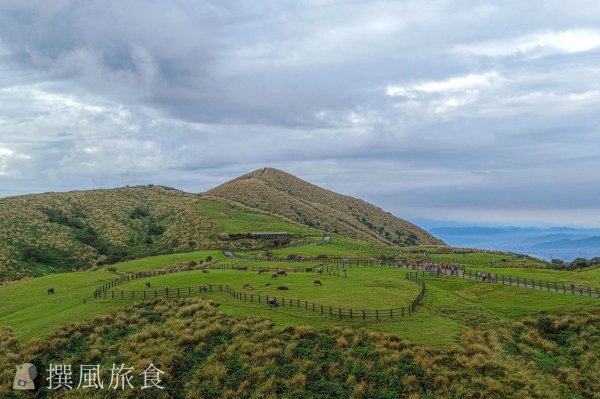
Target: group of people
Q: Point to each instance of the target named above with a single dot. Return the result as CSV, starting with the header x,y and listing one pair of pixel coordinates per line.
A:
x,y
439,268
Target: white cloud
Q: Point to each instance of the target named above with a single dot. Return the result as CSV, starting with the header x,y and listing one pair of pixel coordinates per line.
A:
x,y
444,95
7,156
464,83
535,45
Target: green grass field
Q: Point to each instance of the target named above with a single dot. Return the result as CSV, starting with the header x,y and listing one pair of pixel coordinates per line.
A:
x,y
234,220
361,289
156,262
450,306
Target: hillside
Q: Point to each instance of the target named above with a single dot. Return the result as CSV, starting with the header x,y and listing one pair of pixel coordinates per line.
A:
x,y
281,194
55,232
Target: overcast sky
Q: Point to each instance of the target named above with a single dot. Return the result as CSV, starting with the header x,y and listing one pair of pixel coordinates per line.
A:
x,y
449,110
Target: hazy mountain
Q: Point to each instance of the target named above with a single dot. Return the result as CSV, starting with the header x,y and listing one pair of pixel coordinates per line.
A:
x,y
584,243
564,243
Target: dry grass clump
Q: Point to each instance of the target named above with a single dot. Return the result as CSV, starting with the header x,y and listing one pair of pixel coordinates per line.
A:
x,y
207,354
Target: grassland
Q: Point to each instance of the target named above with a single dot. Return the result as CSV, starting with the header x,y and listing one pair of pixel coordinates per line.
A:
x,y
485,340
230,219
451,306
382,289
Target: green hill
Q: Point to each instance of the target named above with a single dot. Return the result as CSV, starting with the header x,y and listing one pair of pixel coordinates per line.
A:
x,y
286,196
55,232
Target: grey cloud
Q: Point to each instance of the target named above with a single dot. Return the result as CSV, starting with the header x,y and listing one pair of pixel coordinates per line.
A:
x,y
190,93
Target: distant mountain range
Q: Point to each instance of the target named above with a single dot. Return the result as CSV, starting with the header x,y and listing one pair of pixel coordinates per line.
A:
x,y
584,243
565,243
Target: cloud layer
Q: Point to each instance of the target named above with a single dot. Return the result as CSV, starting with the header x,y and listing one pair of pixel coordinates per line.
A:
x,y
445,110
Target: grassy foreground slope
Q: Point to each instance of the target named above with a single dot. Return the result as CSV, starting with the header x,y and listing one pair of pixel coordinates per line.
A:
x,y
286,196
208,354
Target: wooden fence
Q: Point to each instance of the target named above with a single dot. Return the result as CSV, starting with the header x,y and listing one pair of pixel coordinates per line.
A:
x,y
270,300
462,272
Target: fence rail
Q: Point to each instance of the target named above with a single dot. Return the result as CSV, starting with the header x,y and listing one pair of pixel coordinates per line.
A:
x,y
461,272
274,300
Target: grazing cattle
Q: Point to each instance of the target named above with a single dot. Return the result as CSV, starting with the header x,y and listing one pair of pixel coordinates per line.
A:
x,y
309,269
243,268
320,270
248,286
204,271
317,282
50,291
268,283
283,288
281,272
273,302
147,284
274,275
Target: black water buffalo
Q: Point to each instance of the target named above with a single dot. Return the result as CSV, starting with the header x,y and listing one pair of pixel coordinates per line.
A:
x,y
281,272
50,291
317,282
273,302
283,288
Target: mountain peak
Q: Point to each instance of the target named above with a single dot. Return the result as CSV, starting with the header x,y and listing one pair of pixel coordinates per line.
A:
x,y
284,195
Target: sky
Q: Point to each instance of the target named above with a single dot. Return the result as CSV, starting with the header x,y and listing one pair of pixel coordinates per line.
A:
x,y
469,111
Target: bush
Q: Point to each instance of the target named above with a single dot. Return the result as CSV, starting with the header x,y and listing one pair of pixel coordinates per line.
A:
x,y
139,213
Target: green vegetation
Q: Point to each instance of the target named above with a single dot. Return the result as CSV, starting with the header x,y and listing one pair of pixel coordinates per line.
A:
x,y
206,353
382,289
57,232
230,219
450,306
